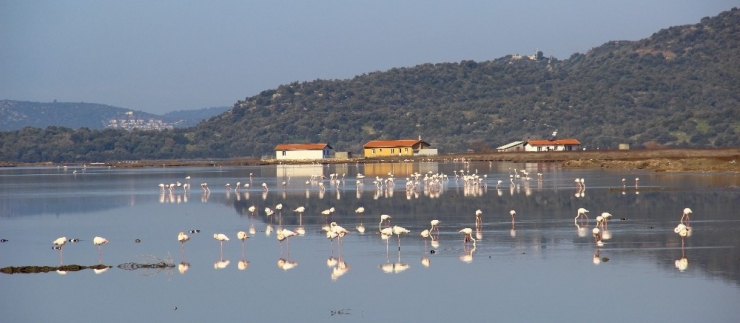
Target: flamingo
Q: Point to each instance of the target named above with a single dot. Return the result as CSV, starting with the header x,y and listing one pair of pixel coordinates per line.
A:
x,y
512,213
264,187
434,227
604,217
686,213
221,238
682,230
384,217
182,238
398,231
340,231
284,234
360,210
59,245
241,235
300,209
99,241
468,235
478,215
251,209
581,212
597,236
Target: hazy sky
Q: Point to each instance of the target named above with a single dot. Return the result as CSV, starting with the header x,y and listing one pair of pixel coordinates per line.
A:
x,y
165,55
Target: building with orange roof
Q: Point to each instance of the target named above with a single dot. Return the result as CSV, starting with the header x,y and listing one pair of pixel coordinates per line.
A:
x,y
302,151
552,145
407,147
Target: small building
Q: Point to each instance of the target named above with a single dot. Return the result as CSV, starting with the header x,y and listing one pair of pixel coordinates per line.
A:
x,y
302,151
410,147
552,145
512,146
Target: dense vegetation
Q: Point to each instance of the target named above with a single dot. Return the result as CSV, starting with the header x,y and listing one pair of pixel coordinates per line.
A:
x,y
678,87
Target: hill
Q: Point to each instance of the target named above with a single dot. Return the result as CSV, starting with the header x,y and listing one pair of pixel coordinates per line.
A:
x,y
16,115
677,88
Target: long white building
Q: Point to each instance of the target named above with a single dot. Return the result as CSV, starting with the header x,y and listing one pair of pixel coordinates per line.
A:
x,y
302,151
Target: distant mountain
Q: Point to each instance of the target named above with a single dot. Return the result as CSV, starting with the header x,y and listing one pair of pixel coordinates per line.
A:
x,y
16,115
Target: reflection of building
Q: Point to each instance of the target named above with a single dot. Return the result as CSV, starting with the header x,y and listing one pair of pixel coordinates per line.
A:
x,y
302,151
552,145
411,147
297,171
399,169
513,146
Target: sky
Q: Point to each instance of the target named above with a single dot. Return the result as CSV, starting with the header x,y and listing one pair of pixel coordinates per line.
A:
x,y
167,55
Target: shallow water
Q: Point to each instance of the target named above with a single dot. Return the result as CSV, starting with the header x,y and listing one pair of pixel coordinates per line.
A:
x,y
537,268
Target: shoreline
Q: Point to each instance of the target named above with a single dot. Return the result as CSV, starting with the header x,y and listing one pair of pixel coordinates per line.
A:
x,y
659,160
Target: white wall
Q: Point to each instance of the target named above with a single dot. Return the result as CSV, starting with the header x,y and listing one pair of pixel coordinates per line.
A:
x,y
301,154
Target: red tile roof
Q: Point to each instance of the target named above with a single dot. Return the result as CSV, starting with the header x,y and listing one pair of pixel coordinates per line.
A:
x,y
319,146
393,143
546,142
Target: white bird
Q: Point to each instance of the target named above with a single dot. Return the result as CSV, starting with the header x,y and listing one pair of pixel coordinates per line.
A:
x,y
284,234
182,238
264,187
434,224
581,212
360,210
60,241
221,238
468,235
384,217
398,231
300,209
241,235
99,241
512,213
686,213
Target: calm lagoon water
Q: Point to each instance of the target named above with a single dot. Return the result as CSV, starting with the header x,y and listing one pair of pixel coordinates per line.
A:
x,y
539,267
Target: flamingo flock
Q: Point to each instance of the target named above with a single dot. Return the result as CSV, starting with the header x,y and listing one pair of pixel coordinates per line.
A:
x,y
333,231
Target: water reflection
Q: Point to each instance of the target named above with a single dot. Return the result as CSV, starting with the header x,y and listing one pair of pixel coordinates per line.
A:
x,y
542,239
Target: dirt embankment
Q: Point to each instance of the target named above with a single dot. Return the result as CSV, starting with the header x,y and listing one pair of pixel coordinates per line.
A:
x,y
661,160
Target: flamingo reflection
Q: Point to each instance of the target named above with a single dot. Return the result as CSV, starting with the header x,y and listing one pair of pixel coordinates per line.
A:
x,y
182,267
682,263
221,264
394,268
286,264
467,256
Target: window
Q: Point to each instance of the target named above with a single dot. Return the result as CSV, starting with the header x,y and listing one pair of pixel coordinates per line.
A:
x,y
372,151
406,150
285,153
393,150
